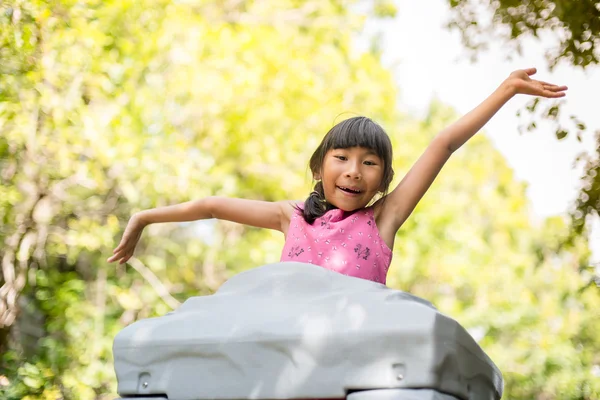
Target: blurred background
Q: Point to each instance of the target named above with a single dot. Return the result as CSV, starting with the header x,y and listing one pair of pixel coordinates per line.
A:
x,y
111,107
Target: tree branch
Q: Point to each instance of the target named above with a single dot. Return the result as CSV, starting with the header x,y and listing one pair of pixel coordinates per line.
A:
x,y
156,283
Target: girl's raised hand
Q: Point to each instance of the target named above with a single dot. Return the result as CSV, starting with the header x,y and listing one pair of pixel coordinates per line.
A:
x,y
131,236
520,82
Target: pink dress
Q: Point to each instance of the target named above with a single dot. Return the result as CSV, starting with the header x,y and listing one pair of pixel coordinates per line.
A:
x,y
346,242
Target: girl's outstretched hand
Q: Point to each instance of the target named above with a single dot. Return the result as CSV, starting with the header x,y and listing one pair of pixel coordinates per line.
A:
x,y
520,82
131,236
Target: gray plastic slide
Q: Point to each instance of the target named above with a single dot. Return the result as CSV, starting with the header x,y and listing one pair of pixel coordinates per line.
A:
x,y
298,331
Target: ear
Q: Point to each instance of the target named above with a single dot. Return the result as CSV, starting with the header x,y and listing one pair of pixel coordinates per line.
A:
x,y
317,176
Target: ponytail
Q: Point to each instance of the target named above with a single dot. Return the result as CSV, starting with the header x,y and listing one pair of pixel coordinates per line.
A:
x,y
315,205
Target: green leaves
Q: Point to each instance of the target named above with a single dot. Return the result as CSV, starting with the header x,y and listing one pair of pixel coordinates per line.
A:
x,y
111,107
119,107
561,134
471,249
576,25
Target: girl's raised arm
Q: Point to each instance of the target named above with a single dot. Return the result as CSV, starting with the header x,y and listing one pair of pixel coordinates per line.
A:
x,y
261,214
400,203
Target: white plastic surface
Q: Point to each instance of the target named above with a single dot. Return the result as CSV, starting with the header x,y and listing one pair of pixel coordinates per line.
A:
x,y
293,330
381,394
399,394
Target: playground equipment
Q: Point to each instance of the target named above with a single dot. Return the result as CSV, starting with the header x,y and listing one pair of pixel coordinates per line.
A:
x,y
298,331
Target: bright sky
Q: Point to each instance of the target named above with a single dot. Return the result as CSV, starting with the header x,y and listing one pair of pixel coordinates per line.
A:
x,y
429,62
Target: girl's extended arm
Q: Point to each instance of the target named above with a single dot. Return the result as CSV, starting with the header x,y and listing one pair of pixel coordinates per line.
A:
x,y
262,214
400,203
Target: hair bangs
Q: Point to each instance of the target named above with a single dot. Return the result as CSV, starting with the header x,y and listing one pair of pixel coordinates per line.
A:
x,y
360,132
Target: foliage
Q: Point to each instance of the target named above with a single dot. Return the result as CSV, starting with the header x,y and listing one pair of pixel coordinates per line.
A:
x,y
472,250
575,24
575,29
109,107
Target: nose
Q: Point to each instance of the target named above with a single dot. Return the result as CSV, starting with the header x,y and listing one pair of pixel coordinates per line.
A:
x,y
353,171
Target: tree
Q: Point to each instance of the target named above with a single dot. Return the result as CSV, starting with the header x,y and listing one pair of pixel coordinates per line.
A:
x,y
471,249
111,107
575,26
107,108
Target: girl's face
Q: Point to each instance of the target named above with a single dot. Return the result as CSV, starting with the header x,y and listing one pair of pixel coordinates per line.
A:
x,y
351,177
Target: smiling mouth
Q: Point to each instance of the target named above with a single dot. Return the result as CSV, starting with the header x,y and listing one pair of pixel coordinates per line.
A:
x,y
349,190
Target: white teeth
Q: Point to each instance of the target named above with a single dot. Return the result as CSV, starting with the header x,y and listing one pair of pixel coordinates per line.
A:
x,y
351,190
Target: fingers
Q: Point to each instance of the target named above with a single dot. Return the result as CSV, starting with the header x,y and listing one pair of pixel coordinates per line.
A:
x,y
124,251
123,243
117,253
121,257
546,89
121,253
124,247
115,257
551,95
554,94
553,91
552,86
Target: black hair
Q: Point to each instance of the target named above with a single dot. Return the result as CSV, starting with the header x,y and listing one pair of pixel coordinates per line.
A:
x,y
353,132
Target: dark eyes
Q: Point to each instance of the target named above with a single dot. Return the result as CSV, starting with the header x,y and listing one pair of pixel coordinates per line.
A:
x,y
344,158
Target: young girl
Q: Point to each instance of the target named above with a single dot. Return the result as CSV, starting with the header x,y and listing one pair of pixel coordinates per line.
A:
x,y
336,227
